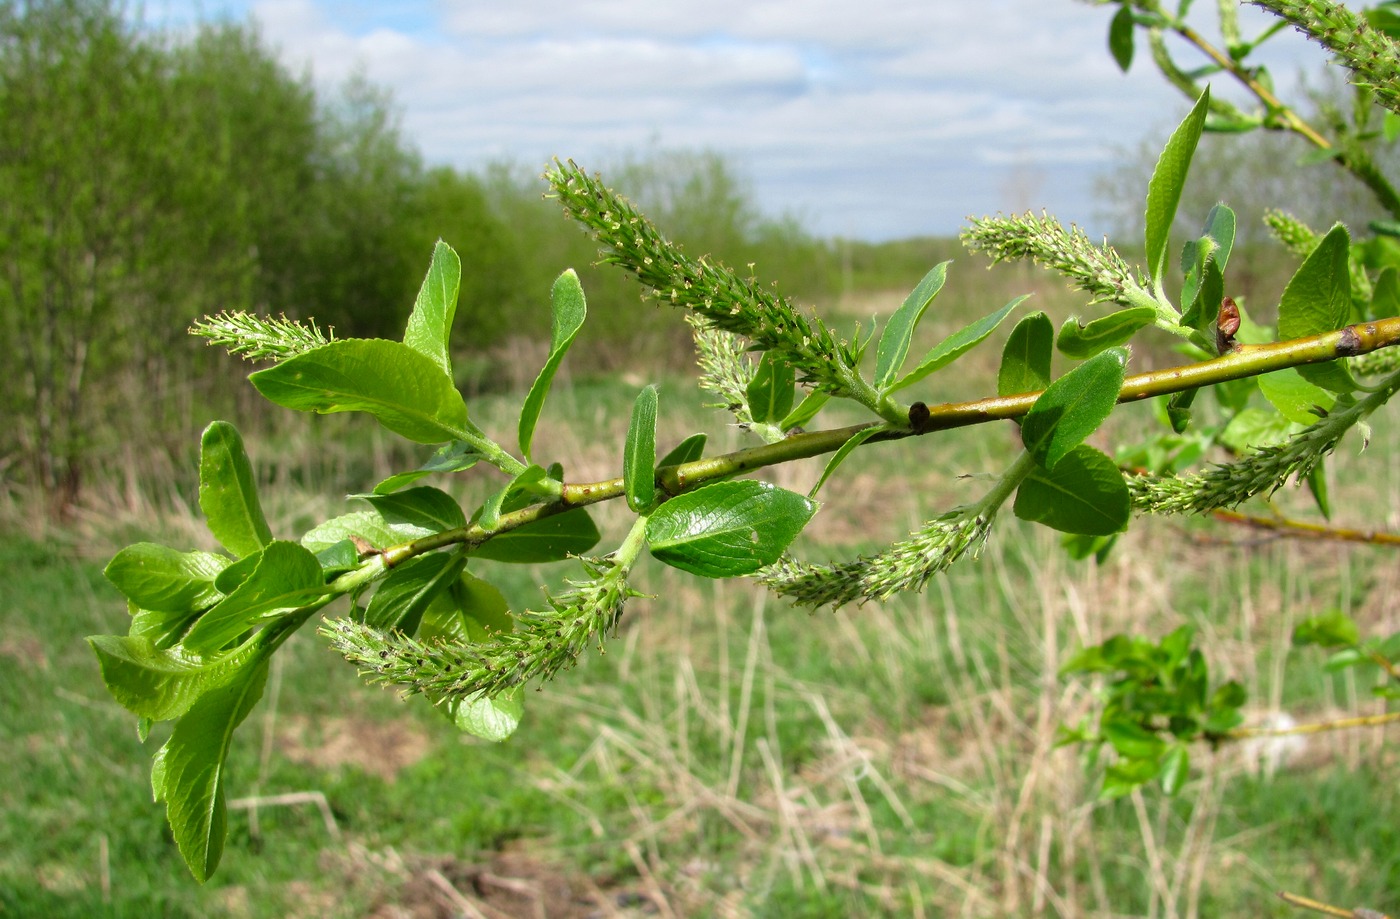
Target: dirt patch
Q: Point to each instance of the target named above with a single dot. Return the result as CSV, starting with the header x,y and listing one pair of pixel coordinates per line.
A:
x,y
507,885
26,650
380,748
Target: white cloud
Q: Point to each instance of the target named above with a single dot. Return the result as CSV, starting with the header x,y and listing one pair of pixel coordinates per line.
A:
x,y
880,118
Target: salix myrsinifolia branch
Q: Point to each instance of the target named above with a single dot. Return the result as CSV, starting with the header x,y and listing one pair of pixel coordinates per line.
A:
x,y
414,564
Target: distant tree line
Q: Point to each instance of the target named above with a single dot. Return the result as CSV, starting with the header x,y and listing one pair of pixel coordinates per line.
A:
x,y
148,179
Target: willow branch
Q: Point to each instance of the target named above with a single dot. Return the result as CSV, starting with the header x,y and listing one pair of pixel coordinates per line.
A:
x,y
1304,530
1318,727
1327,909
1244,361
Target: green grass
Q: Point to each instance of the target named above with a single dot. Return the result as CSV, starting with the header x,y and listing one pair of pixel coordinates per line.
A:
x,y
727,752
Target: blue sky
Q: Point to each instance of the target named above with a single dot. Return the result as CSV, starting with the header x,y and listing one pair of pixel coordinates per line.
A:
x,y
873,119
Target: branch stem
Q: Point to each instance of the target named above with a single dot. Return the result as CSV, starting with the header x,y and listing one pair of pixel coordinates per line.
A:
x,y
1244,361
1317,727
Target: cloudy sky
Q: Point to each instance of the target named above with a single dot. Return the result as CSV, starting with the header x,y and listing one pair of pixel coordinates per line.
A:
x,y
872,119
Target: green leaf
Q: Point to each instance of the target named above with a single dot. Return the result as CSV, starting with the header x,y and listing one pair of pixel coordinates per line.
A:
x,y
1175,768
494,718
1164,188
1334,629
1385,294
483,607
1084,493
687,451
727,529
899,331
338,558
456,456
1203,261
162,630
1120,37
406,592
770,392
569,309
1132,740
287,577
811,404
1318,299
1317,485
473,610
367,525
639,453
549,539
1081,341
1073,407
424,506
228,494
162,684
840,455
1256,427
956,345
408,393
1025,361
429,329
189,771
1121,778
159,578
519,492
1294,397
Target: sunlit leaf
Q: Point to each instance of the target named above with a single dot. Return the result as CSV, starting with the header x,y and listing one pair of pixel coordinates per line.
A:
x,y
429,329
568,309
228,493
407,392
727,529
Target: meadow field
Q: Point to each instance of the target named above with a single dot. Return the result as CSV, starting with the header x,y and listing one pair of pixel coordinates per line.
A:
x,y
727,755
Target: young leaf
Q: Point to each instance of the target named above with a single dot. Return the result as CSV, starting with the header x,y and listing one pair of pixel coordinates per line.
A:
x,y
550,539
1317,485
517,493
407,392
430,324
806,411
1084,493
1025,361
1332,630
424,506
1318,299
1120,37
840,455
569,309
727,529
1294,397
687,451
287,577
1175,768
228,494
162,684
188,774
405,594
492,718
161,579
770,392
1081,341
456,456
639,452
899,331
369,526
1164,188
1073,407
956,345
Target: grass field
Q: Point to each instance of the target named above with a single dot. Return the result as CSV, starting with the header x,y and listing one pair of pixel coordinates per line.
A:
x,y
728,755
